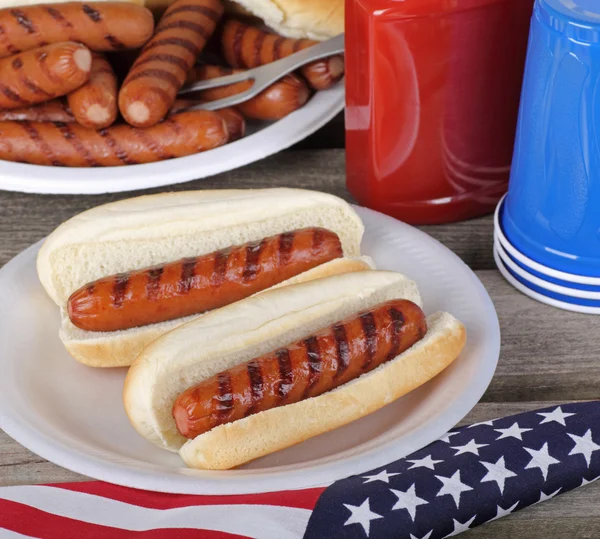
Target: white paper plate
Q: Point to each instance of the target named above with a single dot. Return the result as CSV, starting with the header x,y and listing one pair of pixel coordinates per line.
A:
x,y
72,415
263,140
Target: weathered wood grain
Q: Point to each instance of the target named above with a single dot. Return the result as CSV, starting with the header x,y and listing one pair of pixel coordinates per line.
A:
x,y
26,218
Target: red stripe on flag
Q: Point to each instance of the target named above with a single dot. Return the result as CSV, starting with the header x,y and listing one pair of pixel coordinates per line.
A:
x,y
302,499
27,520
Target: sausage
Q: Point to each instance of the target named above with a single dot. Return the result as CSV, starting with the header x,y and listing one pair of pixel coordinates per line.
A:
x,y
195,285
276,102
100,26
307,368
56,110
236,125
43,74
150,88
73,145
247,46
95,103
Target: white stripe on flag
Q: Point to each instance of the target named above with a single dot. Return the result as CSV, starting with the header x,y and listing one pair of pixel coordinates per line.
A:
x,y
7,534
259,521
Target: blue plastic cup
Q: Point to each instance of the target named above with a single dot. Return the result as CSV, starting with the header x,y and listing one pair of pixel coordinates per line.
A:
x,y
552,211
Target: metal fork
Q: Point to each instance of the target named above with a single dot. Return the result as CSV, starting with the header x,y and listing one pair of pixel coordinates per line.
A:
x,y
264,76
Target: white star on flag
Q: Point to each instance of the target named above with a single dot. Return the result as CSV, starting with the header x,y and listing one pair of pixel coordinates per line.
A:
x,y
544,497
427,536
361,514
471,447
459,527
513,431
489,423
557,415
426,462
408,500
446,437
452,486
503,512
541,459
381,476
584,445
497,472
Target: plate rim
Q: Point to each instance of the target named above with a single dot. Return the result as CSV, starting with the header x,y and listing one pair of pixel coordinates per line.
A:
x,y
121,474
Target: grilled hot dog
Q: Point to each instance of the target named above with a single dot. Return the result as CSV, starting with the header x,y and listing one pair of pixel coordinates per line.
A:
x,y
236,125
101,26
194,285
307,368
95,103
56,110
161,68
42,74
73,145
247,46
282,98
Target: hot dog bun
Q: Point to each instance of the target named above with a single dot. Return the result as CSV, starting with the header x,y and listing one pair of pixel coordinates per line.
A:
x,y
237,333
154,229
312,19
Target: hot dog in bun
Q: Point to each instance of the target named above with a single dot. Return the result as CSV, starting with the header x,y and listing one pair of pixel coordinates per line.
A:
x,y
125,273
276,369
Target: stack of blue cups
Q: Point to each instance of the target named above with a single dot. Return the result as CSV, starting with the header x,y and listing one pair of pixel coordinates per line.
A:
x,y
547,228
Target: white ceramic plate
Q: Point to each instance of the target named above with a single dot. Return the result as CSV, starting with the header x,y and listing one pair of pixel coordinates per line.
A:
x,y
72,415
262,140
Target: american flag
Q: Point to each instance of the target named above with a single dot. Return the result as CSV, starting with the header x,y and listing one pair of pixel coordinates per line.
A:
x,y
472,475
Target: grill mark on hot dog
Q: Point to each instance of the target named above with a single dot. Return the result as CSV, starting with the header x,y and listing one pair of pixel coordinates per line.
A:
x,y
168,58
397,319
188,272
72,139
120,289
156,149
286,374
314,362
204,10
42,57
186,25
153,283
33,134
12,95
258,44
367,321
225,395
251,268
156,73
218,275
318,239
286,242
114,146
114,42
256,386
58,17
238,40
10,47
17,63
277,47
90,289
34,88
92,13
342,349
23,20
176,42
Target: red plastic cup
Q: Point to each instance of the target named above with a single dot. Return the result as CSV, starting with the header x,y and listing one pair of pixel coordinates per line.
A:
x,y
432,99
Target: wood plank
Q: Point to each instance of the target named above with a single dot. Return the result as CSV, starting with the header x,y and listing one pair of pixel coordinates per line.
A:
x,y
26,218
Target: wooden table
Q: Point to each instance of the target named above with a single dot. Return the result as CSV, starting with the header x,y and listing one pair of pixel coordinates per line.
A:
x,y
548,356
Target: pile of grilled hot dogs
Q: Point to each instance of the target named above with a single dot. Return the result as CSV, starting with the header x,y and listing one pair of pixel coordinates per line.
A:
x,y
62,102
